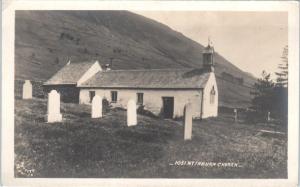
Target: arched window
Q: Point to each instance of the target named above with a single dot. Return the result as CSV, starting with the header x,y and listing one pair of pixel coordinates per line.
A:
x,y
212,95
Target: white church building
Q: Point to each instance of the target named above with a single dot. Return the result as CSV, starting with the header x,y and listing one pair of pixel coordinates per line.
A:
x,y
164,92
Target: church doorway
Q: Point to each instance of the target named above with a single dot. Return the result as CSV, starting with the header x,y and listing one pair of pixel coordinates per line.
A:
x,y
168,107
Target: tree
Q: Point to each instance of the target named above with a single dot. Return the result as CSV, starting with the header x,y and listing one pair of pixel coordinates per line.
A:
x,y
272,96
282,76
280,109
281,89
263,92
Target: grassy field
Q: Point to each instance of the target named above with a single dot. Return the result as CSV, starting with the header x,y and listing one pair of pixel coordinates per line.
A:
x,y
85,147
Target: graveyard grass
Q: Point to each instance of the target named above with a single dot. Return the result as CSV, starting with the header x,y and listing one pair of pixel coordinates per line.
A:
x,y
84,147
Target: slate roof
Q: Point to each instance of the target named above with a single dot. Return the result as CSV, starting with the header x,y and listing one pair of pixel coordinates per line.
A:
x,y
156,79
70,73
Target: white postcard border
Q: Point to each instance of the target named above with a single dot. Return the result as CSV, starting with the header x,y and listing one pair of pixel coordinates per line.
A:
x,y
8,34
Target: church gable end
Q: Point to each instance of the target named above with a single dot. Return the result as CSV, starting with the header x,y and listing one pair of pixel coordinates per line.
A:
x,y
210,101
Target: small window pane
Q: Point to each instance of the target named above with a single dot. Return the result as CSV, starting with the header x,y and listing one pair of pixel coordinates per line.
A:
x,y
140,98
114,96
212,95
92,94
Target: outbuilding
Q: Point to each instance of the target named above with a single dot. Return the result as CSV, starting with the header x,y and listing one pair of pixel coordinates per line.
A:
x,y
66,80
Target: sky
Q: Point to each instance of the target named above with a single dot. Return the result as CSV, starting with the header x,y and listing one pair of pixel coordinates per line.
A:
x,y
253,41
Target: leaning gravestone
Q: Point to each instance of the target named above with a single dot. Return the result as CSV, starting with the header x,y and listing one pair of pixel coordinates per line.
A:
x,y
97,107
188,121
27,90
131,113
54,114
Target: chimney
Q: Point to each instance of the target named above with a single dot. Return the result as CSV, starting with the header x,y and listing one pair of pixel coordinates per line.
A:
x,y
111,62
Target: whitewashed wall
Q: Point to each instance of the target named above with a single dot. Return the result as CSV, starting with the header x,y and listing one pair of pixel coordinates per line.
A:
x,y
152,99
210,110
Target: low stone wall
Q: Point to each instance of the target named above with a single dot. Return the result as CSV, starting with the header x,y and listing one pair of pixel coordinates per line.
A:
x,y
37,88
68,93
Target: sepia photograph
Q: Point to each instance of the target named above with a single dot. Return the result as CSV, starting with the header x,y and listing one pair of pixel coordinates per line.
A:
x,y
151,94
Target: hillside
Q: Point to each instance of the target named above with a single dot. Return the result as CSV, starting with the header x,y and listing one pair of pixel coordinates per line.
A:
x,y
45,40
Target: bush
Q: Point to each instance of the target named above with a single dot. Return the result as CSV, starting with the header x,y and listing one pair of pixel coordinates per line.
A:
x,y
141,110
106,107
252,116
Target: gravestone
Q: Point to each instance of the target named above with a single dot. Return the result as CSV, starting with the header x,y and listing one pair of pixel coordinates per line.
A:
x,y
97,107
131,113
54,114
268,117
235,115
188,121
27,90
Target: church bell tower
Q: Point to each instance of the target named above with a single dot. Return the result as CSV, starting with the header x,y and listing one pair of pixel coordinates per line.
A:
x,y
208,57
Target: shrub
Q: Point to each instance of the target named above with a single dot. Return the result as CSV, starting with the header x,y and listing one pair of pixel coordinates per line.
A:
x,y
141,110
106,107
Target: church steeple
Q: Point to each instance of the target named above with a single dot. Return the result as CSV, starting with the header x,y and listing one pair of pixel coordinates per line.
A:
x,y
208,57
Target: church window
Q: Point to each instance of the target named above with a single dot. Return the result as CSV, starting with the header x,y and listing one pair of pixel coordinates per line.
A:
x,y
92,94
114,96
212,95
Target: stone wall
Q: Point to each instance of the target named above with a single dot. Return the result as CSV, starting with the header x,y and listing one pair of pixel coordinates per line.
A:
x,y
37,88
68,93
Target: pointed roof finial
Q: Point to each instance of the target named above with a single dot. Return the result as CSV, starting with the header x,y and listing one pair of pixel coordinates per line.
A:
x,y
208,40
210,44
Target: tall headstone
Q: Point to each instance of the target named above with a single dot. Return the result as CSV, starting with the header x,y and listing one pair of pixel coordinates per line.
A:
x,y
97,107
131,113
27,90
235,115
188,121
54,114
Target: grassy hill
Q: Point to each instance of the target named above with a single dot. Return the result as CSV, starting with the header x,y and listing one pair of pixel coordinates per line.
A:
x,y
45,40
106,147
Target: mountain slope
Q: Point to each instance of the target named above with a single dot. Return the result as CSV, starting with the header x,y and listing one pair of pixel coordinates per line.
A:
x,y
45,40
